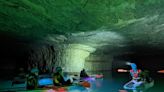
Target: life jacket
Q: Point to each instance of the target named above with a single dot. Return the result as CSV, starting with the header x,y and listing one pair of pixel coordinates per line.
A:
x,y
135,74
58,78
32,81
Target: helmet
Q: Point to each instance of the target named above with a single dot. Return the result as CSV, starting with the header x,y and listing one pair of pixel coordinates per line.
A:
x,y
133,65
58,69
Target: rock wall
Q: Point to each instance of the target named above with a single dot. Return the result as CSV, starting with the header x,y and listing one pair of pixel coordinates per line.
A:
x,y
41,54
98,62
71,57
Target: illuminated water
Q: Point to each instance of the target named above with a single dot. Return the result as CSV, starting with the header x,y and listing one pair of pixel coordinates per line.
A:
x,y
110,83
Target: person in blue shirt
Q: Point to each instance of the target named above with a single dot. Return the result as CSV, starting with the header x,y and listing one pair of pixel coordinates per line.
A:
x,y
134,72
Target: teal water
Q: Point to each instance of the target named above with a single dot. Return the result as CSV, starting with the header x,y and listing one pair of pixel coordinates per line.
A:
x,y
112,82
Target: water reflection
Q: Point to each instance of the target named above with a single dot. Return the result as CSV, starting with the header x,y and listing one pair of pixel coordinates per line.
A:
x,y
115,83
110,83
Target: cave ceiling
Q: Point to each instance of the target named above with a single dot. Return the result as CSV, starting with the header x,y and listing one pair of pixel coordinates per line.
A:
x,y
113,23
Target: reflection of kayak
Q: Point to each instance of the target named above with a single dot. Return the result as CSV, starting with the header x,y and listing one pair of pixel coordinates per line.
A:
x,y
93,77
73,88
97,76
136,84
80,87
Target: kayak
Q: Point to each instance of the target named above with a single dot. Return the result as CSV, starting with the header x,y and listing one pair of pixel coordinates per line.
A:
x,y
72,88
138,85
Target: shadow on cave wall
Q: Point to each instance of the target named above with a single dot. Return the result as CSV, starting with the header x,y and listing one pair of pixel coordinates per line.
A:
x,y
12,53
16,53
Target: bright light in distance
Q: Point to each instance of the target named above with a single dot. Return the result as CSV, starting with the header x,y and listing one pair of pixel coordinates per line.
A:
x,y
160,71
122,70
128,63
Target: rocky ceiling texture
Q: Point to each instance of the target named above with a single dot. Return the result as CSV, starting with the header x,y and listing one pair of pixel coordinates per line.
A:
x,y
41,17
137,20
108,27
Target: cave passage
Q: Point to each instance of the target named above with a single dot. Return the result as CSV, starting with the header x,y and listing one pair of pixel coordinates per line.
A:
x,y
42,39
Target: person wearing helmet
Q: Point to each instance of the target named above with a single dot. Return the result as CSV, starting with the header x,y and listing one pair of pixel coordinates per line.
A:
x,y
83,74
58,78
134,72
32,78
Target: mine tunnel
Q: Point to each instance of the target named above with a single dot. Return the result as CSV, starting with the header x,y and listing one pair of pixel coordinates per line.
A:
x,y
98,36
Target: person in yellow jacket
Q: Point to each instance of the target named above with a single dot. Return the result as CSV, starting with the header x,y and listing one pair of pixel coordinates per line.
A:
x,y
58,78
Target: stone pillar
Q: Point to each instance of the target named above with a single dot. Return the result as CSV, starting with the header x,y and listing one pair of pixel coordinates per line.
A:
x,y
73,57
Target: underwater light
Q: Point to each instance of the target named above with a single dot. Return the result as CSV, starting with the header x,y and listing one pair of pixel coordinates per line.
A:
x,y
123,91
51,90
128,63
122,70
160,71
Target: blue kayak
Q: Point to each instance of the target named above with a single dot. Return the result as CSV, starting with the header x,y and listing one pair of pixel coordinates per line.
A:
x,y
138,85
